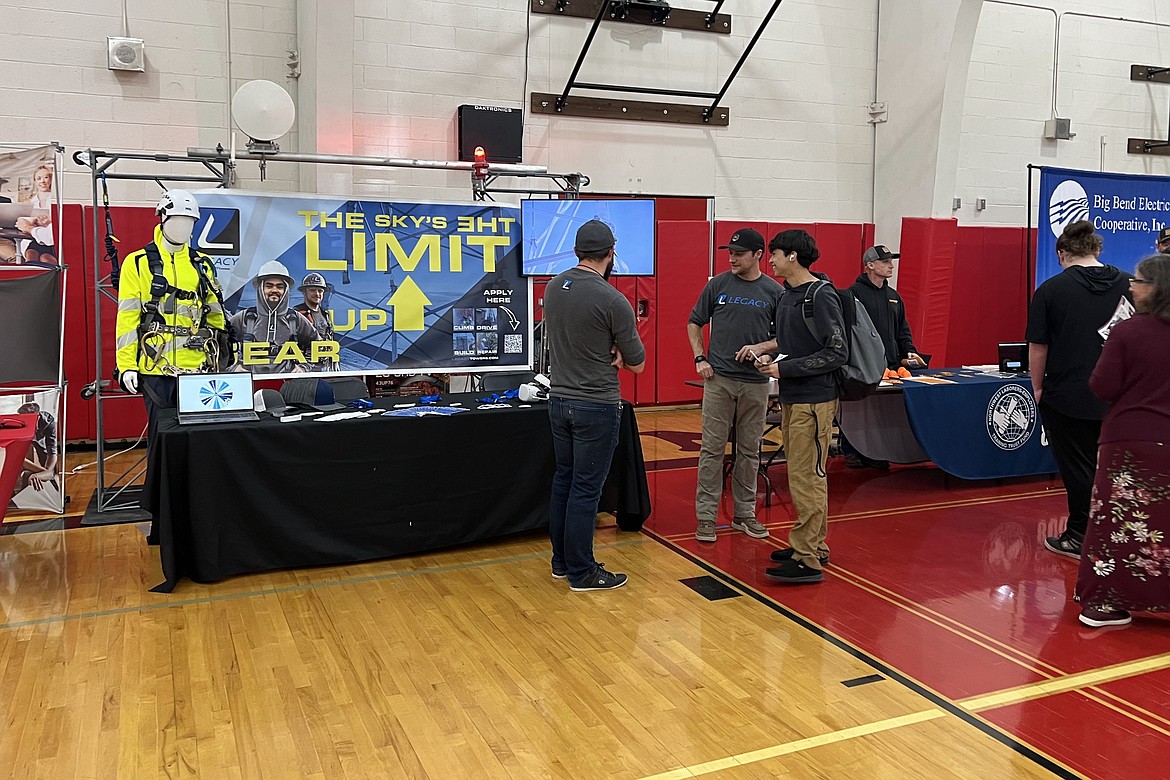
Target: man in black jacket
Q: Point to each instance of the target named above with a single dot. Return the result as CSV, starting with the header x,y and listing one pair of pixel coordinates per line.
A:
x,y
808,356
888,312
885,307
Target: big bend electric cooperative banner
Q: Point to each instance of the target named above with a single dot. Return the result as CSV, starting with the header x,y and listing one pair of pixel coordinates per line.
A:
x,y
1127,210
409,287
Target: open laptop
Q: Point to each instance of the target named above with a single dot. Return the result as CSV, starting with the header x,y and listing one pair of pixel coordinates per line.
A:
x,y
10,212
1013,357
215,398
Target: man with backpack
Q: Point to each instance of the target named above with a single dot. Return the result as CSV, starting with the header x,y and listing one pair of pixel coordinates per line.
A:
x,y
813,344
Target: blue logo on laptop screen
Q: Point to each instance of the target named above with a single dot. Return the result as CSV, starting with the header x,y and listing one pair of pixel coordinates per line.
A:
x,y
216,394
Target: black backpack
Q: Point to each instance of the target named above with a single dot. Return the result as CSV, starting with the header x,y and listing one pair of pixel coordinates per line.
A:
x,y
866,364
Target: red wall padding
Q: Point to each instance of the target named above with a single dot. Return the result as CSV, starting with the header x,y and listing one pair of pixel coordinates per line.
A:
x,y
990,301
925,280
77,357
683,265
124,416
841,245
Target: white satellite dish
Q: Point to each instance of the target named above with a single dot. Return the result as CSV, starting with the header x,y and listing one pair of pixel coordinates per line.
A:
x,y
263,110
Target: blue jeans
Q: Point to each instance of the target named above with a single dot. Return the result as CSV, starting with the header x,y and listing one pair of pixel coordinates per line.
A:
x,y
584,435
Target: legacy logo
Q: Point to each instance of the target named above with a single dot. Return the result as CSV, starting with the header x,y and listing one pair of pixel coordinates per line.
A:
x,y
219,233
739,300
1069,203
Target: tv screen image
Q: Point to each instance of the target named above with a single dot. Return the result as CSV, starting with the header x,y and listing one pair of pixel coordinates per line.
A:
x,y
548,229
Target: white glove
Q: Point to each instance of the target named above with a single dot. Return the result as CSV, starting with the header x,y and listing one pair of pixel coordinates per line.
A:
x,y
129,381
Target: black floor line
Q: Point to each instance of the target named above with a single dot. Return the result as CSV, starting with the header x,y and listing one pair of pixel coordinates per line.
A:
x,y
943,704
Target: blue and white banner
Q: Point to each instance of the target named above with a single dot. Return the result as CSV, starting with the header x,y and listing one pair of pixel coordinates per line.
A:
x,y
1126,210
408,287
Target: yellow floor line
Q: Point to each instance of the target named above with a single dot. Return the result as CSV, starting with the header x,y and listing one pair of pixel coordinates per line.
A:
x,y
1067,683
797,746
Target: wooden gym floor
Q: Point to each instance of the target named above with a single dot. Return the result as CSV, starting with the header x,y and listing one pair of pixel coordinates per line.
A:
x,y
941,644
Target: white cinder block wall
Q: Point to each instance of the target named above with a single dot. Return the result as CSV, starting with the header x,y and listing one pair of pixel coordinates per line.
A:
x,y
1009,95
799,146
54,83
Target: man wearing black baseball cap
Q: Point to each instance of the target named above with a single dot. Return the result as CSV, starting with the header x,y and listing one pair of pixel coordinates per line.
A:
x,y
1162,243
591,333
740,307
888,313
886,308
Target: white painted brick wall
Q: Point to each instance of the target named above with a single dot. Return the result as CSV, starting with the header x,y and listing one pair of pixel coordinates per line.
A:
x,y
55,84
1009,95
799,146
797,106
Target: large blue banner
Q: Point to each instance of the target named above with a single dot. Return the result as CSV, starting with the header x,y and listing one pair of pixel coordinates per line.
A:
x,y
380,286
1125,209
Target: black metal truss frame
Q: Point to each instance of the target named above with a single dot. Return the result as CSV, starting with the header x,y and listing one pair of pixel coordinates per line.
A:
x,y
711,114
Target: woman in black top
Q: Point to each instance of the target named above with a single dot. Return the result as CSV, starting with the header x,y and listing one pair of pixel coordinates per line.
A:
x,y
1068,321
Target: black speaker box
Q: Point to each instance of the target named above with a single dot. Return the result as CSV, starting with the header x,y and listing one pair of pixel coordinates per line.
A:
x,y
499,130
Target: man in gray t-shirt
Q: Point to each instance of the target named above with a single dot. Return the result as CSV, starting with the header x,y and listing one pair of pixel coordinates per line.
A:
x,y
740,307
591,336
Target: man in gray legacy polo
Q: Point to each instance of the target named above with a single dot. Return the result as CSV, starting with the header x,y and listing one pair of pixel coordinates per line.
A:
x,y
740,307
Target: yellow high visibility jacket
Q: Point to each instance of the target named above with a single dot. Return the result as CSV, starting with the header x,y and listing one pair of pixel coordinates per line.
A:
x,y
134,293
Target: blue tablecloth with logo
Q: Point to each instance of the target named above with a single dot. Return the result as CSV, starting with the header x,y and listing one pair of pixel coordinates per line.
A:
x,y
980,426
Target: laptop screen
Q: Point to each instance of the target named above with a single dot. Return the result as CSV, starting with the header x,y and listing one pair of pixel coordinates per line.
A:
x,y
215,393
1013,357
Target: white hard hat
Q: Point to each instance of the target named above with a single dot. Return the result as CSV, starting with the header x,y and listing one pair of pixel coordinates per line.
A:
x,y
177,203
313,280
272,268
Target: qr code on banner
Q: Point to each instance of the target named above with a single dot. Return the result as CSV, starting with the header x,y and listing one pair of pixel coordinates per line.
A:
x,y
514,344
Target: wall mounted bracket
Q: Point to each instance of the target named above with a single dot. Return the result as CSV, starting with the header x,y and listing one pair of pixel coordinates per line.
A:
x,y
1155,75
609,108
659,15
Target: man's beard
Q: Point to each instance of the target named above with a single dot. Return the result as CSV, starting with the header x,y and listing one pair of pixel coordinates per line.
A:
x,y
608,270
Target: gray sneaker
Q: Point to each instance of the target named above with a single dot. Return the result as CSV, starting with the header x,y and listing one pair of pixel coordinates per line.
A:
x,y
750,526
706,531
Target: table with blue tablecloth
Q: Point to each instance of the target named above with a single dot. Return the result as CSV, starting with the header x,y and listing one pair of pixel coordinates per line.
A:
x,y
972,425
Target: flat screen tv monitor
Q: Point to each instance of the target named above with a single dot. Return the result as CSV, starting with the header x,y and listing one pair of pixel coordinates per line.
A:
x,y
548,229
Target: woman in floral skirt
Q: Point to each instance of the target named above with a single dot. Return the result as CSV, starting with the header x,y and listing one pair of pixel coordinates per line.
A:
x,y
1125,562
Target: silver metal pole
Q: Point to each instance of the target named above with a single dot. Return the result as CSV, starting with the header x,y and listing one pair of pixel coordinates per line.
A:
x,y
383,162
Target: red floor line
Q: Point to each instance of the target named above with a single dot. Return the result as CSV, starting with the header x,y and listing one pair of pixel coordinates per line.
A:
x,y
956,627
1088,693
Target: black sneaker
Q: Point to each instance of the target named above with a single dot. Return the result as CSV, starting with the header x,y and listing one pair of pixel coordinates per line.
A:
x,y
794,572
559,575
1065,544
779,556
600,579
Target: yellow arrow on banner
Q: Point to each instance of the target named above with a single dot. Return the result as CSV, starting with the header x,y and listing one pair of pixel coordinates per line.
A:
x,y
408,302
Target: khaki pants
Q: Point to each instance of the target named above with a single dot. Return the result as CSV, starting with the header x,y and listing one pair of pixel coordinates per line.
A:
x,y
808,428
728,402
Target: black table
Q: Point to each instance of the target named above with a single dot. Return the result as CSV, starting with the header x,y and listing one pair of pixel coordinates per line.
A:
x,y
256,496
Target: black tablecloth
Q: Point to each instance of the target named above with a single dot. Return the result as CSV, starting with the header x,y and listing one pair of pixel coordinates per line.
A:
x,y
255,496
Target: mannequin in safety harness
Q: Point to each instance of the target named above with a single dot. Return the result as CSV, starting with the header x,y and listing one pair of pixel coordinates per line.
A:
x,y
170,310
276,339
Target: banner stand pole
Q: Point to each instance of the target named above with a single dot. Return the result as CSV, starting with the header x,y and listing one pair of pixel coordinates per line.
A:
x,y
219,164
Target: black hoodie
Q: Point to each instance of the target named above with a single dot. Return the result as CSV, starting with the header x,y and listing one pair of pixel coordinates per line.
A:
x,y
888,312
1066,313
